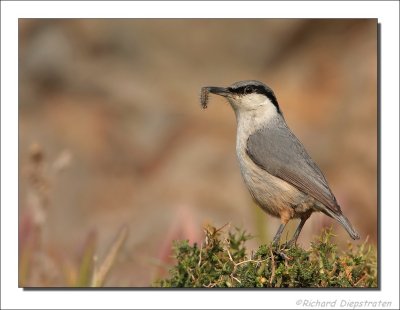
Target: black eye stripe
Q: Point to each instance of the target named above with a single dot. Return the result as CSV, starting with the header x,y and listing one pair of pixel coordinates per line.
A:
x,y
258,89
244,90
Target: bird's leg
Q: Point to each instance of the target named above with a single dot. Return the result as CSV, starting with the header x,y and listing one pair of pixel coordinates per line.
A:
x,y
275,243
296,234
278,234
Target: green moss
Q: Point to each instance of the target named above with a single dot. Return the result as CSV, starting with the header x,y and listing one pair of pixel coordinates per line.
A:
x,y
222,261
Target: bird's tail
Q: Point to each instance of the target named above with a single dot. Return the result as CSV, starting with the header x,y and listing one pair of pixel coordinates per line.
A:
x,y
342,220
347,225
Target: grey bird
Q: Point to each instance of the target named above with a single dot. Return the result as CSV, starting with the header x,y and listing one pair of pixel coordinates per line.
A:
x,y
280,175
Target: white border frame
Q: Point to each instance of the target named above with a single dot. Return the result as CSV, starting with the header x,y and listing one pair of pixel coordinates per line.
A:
x,y
12,297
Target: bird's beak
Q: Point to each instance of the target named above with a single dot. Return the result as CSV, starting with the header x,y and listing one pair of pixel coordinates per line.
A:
x,y
221,91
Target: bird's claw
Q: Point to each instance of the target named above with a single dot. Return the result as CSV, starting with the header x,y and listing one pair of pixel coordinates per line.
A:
x,y
279,250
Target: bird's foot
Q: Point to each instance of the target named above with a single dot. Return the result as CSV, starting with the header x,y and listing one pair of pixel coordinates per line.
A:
x,y
280,250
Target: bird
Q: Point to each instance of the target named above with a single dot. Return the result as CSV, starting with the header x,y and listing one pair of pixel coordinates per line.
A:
x,y
280,175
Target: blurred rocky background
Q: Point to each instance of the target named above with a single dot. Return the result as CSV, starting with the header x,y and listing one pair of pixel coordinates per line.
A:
x,y
112,137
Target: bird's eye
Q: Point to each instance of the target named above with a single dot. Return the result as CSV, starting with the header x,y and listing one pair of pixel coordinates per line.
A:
x,y
248,90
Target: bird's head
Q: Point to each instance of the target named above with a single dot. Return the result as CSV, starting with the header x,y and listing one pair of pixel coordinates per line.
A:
x,y
244,96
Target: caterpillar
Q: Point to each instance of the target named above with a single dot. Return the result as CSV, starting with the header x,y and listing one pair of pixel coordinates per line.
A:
x,y
204,97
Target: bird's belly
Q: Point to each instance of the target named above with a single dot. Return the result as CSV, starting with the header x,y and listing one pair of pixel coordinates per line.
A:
x,y
272,194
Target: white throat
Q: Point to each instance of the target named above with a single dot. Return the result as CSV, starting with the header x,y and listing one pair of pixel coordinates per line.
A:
x,y
254,110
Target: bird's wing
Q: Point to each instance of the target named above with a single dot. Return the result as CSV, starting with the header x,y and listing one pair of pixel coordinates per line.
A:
x,y
277,150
